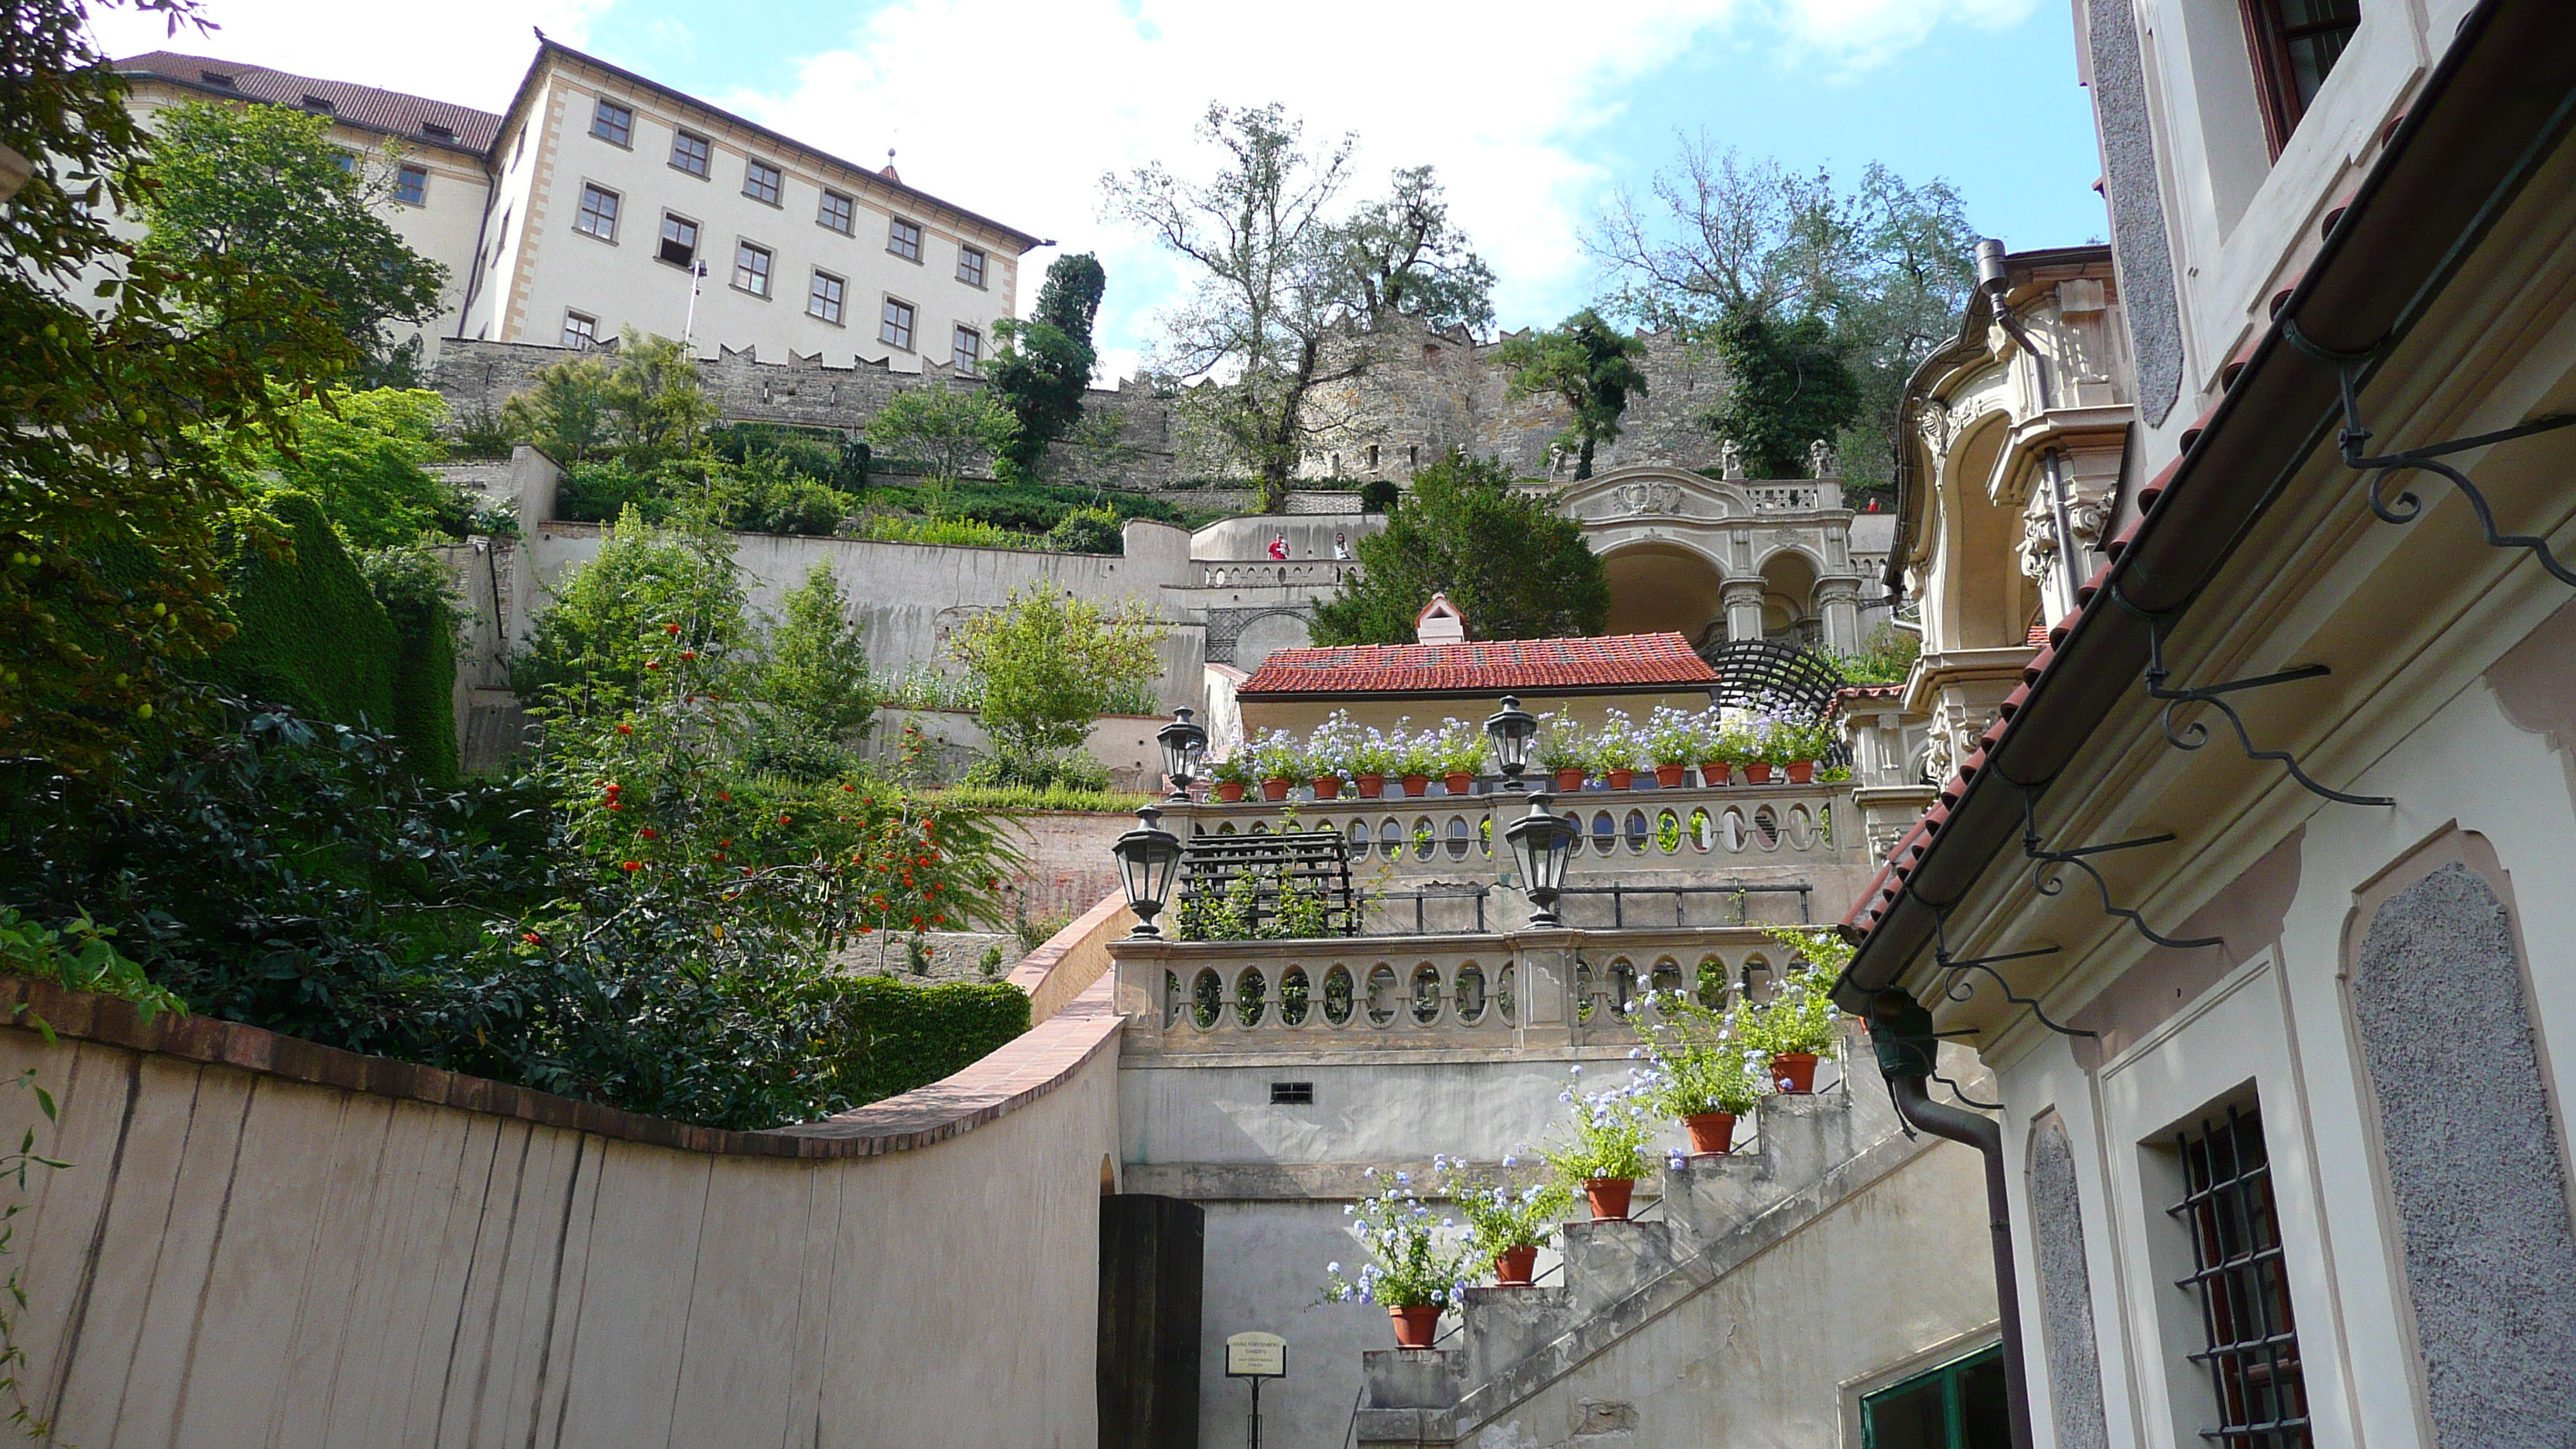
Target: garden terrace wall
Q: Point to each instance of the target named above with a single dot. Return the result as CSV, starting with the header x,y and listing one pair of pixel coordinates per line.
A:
x,y
263,1240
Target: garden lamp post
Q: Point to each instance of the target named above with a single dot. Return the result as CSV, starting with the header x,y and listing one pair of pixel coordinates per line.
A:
x,y
1511,728
1541,844
1148,857
1184,747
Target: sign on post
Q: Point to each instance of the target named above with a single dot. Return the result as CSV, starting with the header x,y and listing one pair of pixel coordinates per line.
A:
x,y
1256,1356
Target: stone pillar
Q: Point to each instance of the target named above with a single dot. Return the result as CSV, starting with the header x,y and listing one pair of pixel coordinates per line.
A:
x,y
1544,986
1744,609
1839,601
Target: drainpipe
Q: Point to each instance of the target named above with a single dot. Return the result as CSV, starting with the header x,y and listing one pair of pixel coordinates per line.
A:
x,y
1995,281
1907,1051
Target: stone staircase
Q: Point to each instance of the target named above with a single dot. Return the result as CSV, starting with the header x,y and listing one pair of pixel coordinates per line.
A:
x,y
1619,1278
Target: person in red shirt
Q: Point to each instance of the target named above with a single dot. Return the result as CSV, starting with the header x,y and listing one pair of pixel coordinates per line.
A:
x,y
1279,546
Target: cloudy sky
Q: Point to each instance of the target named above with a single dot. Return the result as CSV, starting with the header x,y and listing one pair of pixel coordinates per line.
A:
x,y
1533,113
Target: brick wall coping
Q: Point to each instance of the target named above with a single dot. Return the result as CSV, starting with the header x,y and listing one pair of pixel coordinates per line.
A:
x,y
1064,952
1013,1076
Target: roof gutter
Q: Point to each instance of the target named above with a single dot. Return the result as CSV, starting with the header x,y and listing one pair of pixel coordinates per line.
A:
x,y
2491,112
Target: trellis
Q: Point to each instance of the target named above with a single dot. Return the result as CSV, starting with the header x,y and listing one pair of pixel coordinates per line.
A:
x,y
1317,859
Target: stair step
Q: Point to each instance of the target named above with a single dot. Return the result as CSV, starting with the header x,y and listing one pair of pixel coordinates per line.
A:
x,y
1507,1325
1605,1262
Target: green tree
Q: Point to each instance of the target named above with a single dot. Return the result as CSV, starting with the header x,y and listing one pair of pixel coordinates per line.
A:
x,y
133,411
950,428
1787,386
1507,560
1289,295
814,679
651,597
359,455
1042,366
565,410
1047,665
647,408
1589,364
265,186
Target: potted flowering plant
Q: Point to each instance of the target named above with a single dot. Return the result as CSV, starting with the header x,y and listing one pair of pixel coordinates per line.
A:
x,y
1373,758
1674,742
1417,758
1615,750
1328,753
1416,1266
1758,731
1799,745
1730,744
1507,1224
1561,754
1279,763
1608,1153
1701,1069
1800,1023
1233,775
1462,755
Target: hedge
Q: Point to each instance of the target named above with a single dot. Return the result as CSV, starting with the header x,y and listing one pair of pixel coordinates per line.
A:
x,y
424,716
312,634
893,1036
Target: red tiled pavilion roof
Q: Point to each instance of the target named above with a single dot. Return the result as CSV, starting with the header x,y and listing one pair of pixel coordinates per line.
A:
x,y
1484,666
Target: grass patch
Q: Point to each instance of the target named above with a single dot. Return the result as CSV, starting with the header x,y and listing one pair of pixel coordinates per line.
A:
x,y
1008,798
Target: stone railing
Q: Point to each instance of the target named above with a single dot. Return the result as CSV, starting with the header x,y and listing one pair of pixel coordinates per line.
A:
x,y
1794,497
1271,573
1536,987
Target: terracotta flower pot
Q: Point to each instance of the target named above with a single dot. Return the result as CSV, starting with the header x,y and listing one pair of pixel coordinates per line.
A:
x,y
1801,771
1622,779
1568,781
1458,782
1710,1132
1794,1073
1416,784
1372,786
1757,772
1512,1269
1417,1325
1276,787
1328,787
1609,1198
1670,776
1715,773
1229,791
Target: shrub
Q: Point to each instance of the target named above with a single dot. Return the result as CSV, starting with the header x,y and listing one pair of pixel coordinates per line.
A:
x,y
1501,1217
649,592
1073,771
1048,665
1057,795
1378,495
311,634
967,532
1087,530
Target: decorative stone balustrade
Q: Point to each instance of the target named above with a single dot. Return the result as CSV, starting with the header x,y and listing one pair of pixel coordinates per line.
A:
x,y
1364,993
1259,573
1794,497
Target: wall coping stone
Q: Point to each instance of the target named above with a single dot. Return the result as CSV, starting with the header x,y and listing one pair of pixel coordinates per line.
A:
x,y
1018,1073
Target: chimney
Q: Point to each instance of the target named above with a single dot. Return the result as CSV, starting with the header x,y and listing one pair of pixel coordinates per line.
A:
x,y
1440,622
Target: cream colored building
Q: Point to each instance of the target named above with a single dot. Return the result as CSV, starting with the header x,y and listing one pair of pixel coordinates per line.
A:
x,y
600,200
2250,891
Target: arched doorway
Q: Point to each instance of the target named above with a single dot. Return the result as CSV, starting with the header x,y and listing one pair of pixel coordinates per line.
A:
x,y
1789,599
1664,587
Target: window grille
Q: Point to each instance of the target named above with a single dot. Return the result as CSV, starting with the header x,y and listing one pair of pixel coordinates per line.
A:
x,y
411,185
837,212
598,213
751,269
612,122
894,328
1292,1094
760,181
825,300
2238,1279
903,238
692,154
970,266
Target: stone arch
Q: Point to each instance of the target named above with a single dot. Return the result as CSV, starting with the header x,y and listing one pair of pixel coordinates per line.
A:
x,y
1984,607
1665,585
1789,612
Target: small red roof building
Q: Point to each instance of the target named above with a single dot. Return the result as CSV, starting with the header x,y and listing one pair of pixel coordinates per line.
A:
x,y
1619,664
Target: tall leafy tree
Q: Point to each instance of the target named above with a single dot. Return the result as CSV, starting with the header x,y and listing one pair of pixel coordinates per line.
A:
x,y
1290,291
265,186
1510,563
1042,366
950,428
1588,363
1787,385
132,409
1047,664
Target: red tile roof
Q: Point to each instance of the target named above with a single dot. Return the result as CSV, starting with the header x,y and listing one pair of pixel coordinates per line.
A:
x,y
1484,666
392,112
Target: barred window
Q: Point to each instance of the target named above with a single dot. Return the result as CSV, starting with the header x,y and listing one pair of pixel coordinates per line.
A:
x,y
598,213
894,327
692,154
966,349
837,212
411,185
760,181
2240,1285
581,331
612,122
903,238
825,299
751,268
970,266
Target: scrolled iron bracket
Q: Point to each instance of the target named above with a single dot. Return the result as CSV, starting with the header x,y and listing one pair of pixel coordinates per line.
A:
x,y
2353,443
2196,734
1959,987
2048,884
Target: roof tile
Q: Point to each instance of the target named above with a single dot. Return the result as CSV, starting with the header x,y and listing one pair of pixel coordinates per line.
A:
x,y
380,110
1482,665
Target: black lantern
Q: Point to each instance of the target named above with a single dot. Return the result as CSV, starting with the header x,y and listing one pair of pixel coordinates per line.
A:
x,y
1541,844
1184,747
1148,857
1511,728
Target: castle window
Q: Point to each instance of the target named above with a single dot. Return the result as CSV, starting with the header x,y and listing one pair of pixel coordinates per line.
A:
x,y
966,349
903,238
837,212
751,268
824,300
693,154
411,185
612,122
970,266
598,213
581,331
894,325
679,240
760,181
2295,44
1372,457
438,130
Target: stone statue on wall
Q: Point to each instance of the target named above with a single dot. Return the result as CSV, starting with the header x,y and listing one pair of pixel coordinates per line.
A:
x,y
1820,458
1730,459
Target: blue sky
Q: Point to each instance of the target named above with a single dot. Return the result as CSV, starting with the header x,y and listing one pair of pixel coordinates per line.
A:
x,y
1534,114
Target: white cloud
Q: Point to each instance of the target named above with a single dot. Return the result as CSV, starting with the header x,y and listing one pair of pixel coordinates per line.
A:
x,y
1016,107
470,52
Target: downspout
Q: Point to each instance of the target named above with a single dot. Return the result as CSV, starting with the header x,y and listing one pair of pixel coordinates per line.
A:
x,y
1907,1052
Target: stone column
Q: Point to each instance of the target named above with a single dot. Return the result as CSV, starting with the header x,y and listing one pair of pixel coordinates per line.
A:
x,y
1744,609
1839,601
